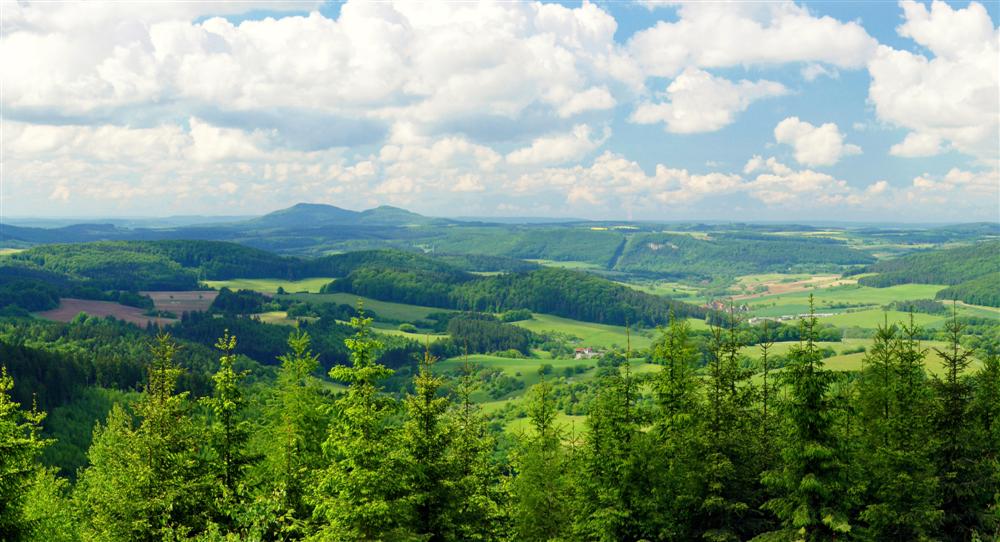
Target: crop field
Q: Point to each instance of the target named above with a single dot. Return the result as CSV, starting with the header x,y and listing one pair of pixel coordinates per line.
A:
x,y
184,301
755,286
383,309
279,318
270,286
69,307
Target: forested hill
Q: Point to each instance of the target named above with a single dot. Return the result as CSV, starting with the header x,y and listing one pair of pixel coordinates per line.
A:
x,y
973,271
734,254
566,293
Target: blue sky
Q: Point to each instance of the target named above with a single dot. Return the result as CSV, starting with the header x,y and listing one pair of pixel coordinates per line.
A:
x,y
862,111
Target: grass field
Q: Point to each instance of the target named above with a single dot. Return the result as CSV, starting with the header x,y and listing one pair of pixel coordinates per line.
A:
x,y
601,335
278,318
798,302
383,309
389,329
270,286
183,301
6,251
567,264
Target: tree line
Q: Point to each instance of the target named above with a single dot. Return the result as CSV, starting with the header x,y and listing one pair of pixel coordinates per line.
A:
x,y
735,450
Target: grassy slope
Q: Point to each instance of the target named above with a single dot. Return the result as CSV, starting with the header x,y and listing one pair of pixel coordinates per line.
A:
x,y
384,309
270,286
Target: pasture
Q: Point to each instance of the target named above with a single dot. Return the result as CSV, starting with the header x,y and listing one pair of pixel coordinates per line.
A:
x,y
599,335
383,309
837,298
69,307
270,286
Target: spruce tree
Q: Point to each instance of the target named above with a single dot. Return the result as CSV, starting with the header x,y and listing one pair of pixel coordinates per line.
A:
x,y
230,433
904,501
967,478
811,484
540,490
673,459
151,481
480,506
430,473
20,446
360,495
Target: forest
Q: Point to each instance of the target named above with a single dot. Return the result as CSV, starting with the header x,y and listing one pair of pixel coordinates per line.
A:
x,y
713,445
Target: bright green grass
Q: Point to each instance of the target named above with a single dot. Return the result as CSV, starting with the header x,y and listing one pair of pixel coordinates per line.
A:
x,y
664,288
798,302
570,426
7,251
601,335
382,309
270,286
874,317
567,264
278,318
419,337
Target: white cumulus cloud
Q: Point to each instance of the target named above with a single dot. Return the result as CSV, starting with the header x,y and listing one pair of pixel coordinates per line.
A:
x,y
814,145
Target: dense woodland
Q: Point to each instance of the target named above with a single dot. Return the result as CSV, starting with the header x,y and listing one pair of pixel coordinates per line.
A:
x,y
715,445
971,270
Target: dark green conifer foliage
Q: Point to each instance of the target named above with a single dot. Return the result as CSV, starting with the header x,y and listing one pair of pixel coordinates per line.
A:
x,y
149,482
540,491
20,445
672,458
904,501
360,494
810,484
431,474
967,477
730,471
480,506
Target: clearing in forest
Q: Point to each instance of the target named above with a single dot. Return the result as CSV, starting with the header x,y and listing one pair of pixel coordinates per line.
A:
x,y
182,301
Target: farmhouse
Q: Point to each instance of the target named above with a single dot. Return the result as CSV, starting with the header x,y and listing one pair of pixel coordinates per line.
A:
x,y
586,353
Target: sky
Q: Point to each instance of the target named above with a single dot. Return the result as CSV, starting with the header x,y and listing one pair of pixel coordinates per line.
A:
x,y
749,111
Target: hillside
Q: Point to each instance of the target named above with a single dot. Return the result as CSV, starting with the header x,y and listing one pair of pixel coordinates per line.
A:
x,y
944,266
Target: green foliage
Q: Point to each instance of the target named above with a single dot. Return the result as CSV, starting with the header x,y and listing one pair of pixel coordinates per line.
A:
x,y
944,266
239,302
359,495
20,446
149,481
733,254
978,291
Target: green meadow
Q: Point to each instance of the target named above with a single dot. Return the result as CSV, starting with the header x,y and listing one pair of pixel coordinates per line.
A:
x,y
383,309
270,286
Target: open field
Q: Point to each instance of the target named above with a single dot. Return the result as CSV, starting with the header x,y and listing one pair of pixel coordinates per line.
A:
x,y
601,335
569,264
270,286
776,284
388,329
827,299
70,307
181,302
6,251
384,309
279,318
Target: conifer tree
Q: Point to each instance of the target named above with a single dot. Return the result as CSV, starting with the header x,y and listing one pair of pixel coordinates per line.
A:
x,y
967,479
673,458
20,446
810,486
229,431
540,491
149,482
480,502
427,437
360,495
904,501
298,427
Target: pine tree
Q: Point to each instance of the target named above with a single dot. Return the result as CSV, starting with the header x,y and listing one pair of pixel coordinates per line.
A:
x,y
431,475
811,501
967,479
20,446
149,482
360,494
540,491
49,509
904,503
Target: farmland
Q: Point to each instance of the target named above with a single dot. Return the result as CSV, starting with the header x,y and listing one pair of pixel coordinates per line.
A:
x,y
270,286
69,308
182,301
